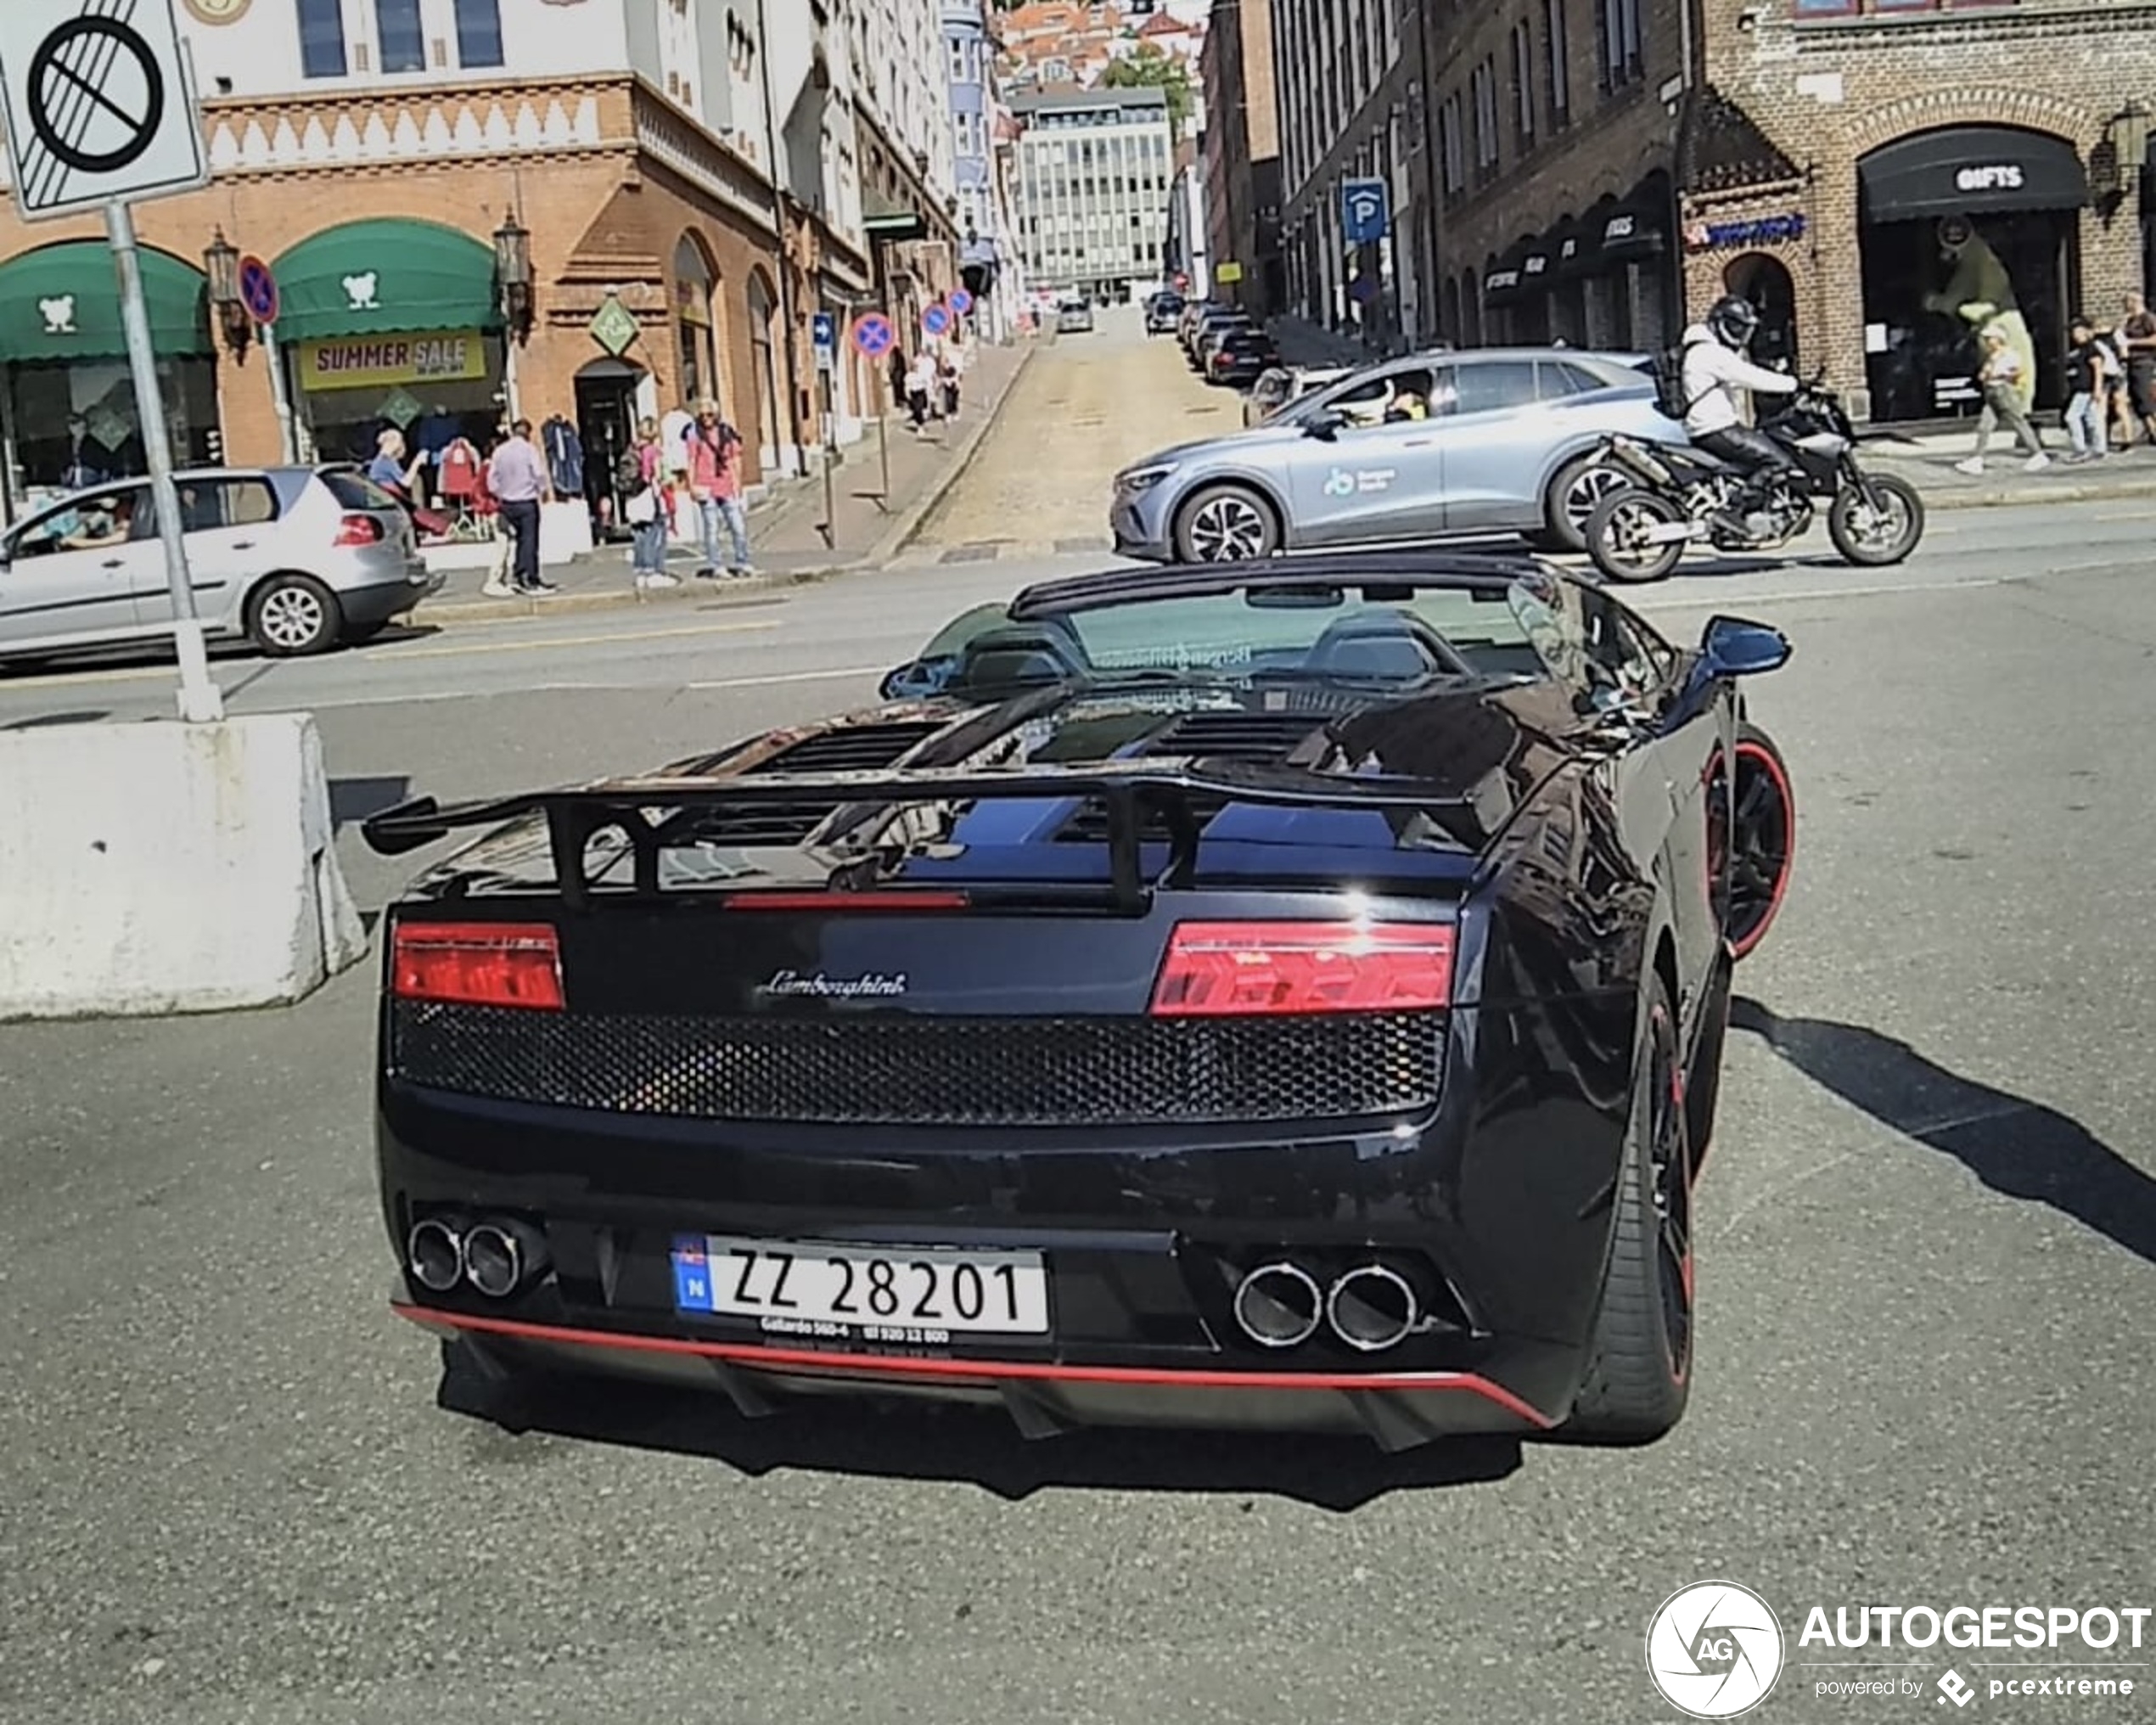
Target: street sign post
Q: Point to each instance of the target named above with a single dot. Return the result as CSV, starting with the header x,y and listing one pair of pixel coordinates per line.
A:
x,y
873,336
961,301
100,110
824,326
259,293
935,320
258,290
1366,212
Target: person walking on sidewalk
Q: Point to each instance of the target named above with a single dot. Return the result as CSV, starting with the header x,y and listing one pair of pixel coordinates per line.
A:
x,y
920,380
2136,339
714,482
518,480
2088,377
2001,378
646,507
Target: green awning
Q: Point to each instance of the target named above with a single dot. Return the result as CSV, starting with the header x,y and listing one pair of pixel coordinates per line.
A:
x,y
62,302
384,277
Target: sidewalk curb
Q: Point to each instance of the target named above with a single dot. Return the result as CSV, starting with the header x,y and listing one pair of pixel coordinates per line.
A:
x,y
2037,491
914,517
614,599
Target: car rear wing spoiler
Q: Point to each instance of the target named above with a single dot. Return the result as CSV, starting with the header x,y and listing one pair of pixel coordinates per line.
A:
x,y
653,815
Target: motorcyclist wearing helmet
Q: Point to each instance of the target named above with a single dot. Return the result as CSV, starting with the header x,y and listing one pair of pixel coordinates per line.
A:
x,y
1714,369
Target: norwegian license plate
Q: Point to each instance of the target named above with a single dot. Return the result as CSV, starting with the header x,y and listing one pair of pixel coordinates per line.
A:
x,y
894,1293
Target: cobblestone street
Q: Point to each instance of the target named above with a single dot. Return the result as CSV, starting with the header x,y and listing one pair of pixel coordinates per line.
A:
x,y
1086,406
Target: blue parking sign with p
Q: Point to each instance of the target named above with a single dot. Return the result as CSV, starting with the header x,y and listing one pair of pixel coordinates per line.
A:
x,y
1366,212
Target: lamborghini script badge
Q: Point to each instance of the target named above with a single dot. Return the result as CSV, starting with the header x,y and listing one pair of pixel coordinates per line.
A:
x,y
870,986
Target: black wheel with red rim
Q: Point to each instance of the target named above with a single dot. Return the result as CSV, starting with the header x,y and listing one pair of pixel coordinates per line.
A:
x,y
1761,840
1639,1366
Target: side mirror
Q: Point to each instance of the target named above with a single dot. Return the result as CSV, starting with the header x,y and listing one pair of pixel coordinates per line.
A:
x,y
918,680
1325,426
1732,646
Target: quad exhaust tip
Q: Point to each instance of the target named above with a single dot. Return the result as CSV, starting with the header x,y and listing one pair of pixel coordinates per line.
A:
x,y
435,1252
1372,1308
495,1257
494,1260
1279,1305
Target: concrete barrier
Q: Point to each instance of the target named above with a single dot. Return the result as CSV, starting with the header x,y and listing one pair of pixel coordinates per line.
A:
x,y
165,867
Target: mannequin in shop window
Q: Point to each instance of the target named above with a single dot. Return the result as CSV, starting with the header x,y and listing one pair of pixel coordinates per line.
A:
x,y
564,451
89,462
434,435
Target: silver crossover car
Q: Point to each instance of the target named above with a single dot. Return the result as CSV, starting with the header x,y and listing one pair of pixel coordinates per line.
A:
x,y
1485,440
295,558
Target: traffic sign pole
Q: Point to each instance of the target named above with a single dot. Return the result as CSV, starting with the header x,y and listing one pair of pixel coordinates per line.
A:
x,y
287,429
201,702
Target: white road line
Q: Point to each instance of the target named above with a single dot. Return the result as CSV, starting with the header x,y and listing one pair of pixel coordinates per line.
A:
x,y
792,677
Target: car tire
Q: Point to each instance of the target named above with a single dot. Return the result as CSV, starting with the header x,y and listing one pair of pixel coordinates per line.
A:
x,y
1762,840
291,616
1638,1376
1612,526
1225,524
1560,531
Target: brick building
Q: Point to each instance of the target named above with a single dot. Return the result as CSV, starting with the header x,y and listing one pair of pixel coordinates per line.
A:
x,y
1861,169
1241,156
1351,83
540,211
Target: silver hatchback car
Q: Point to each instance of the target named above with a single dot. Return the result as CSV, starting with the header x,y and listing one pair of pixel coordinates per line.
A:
x,y
295,560
1481,441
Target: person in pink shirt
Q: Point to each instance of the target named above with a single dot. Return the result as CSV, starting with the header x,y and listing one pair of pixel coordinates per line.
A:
x,y
715,484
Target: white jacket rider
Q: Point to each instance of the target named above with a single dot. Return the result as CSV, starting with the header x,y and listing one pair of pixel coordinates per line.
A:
x,y
1714,369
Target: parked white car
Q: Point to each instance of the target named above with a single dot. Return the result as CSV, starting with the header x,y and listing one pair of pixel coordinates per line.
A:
x,y
296,560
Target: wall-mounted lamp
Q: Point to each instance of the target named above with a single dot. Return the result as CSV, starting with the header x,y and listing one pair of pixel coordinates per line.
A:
x,y
2128,131
513,272
221,264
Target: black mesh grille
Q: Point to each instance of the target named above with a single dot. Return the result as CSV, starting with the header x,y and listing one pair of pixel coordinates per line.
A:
x,y
893,1069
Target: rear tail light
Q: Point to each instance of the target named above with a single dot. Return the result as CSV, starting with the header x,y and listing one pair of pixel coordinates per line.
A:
x,y
1216,969
478,964
359,530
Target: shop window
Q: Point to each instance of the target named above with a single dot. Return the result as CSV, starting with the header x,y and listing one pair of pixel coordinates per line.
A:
x,y
322,38
479,33
403,42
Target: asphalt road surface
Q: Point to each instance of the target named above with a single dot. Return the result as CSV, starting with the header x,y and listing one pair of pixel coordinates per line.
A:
x,y
1928,1262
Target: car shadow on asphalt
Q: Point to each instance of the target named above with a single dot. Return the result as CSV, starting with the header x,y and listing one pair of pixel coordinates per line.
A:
x,y
974,1445
2017,1148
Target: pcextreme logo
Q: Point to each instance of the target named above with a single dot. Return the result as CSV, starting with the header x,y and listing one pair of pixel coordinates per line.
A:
x,y
1714,1650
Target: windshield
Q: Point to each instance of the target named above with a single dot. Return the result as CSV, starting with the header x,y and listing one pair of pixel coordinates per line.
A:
x,y
1535,628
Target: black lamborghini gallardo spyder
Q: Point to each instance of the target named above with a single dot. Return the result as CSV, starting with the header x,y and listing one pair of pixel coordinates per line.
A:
x,y
1286,995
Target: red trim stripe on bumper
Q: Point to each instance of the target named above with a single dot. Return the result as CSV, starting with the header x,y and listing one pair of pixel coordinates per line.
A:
x,y
752,1357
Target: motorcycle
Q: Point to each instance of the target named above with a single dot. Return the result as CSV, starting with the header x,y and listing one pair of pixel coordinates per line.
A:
x,y
1678,494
